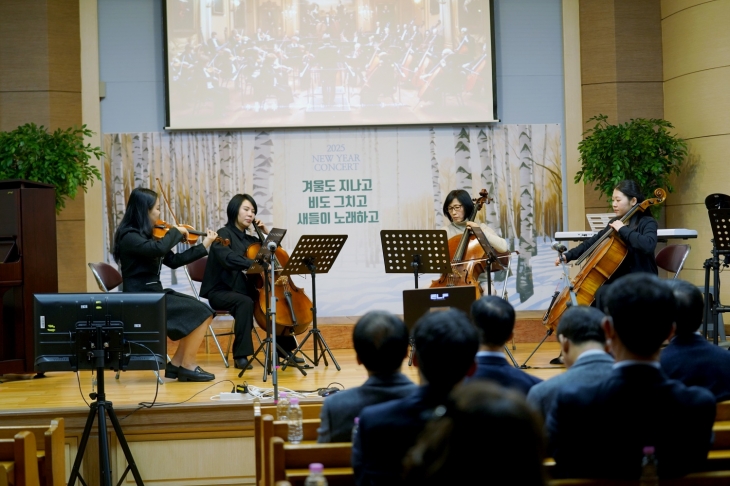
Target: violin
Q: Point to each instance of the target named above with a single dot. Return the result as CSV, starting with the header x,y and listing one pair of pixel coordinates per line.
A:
x,y
160,229
293,307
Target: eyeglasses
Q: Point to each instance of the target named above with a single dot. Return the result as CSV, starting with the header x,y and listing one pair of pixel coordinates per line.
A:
x,y
454,208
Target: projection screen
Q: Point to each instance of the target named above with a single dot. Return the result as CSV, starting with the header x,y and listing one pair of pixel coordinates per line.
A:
x,y
308,63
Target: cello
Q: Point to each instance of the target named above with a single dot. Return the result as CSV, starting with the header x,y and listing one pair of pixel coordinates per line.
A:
x,y
293,307
603,259
468,260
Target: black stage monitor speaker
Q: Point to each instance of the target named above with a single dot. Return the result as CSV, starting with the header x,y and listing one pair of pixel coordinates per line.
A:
x,y
132,327
417,302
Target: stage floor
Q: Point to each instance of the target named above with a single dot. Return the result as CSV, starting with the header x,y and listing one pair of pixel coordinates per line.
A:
x,y
63,390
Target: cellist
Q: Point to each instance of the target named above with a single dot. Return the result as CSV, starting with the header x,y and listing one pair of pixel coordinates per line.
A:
x,y
226,286
639,235
458,206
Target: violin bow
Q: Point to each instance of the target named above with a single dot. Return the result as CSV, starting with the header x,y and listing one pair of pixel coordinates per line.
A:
x,y
167,203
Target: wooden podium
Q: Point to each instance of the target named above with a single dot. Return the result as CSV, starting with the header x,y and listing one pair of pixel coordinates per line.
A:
x,y
28,265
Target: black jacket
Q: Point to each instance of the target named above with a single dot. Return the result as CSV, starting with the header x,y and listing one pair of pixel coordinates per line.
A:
x,y
640,237
141,258
224,270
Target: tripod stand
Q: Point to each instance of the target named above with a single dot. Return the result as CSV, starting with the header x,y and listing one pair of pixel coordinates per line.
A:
x,y
102,408
316,254
262,264
572,302
719,211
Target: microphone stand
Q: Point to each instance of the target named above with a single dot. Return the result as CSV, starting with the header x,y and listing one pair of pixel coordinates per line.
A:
x,y
272,312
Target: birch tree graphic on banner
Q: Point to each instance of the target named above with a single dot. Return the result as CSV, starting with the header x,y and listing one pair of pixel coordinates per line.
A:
x,y
437,209
262,174
524,269
462,159
484,144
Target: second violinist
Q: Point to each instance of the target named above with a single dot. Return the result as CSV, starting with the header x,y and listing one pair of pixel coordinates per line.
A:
x,y
227,287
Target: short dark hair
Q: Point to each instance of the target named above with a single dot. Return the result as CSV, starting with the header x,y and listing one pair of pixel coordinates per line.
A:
x,y
381,341
136,216
642,308
445,454
690,306
464,199
631,189
581,324
234,205
446,343
495,319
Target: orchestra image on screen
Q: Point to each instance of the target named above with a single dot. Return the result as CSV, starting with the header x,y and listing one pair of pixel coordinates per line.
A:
x,y
288,63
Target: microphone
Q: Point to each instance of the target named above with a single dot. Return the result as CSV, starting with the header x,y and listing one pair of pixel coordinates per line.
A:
x,y
271,246
557,246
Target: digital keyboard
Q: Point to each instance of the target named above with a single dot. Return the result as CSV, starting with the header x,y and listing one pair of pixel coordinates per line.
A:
x,y
663,234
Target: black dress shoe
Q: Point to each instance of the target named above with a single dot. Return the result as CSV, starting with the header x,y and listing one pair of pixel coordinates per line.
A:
x,y
242,364
198,374
171,370
288,359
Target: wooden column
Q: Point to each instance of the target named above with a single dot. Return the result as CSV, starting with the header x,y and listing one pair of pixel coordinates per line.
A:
x,y
621,66
40,82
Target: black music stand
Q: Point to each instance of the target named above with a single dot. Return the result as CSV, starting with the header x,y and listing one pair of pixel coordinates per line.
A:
x,y
415,251
314,254
719,212
262,264
493,264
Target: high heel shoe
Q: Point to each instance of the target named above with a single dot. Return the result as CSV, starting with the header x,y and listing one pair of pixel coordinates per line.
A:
x,y
198,374
171,370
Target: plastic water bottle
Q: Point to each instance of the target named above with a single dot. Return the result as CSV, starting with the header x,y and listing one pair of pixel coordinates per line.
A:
x,y
257,404
315,478
282,407
649,475
354,429
295,422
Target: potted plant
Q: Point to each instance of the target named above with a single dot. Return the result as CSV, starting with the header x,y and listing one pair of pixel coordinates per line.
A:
x,y
641,149
60,158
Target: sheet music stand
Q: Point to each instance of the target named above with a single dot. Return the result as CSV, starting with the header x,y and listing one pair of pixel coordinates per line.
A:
x,y
415,251
314,254
719,222
262,264
495,262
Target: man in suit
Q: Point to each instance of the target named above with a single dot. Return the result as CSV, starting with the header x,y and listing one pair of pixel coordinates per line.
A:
x,y
495,319
583,344
446,343
689,358
381,344
599,431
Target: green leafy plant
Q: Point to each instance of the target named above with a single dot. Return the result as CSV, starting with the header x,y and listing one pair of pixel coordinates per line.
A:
x,y
60,158
641,149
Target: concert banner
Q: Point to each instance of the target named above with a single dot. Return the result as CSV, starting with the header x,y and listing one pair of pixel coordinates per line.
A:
x,y
356,182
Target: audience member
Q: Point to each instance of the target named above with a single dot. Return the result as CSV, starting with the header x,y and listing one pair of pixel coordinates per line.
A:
x,y
446,343
510,452
495,319
381,343
600,430
583,345
689,358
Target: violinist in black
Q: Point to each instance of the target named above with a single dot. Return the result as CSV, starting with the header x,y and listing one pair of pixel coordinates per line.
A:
x,y
226,286
140,258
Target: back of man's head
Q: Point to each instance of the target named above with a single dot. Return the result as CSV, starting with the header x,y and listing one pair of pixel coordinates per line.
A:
x,y
495,319
582,324
690,306
446,343
381,341
642,309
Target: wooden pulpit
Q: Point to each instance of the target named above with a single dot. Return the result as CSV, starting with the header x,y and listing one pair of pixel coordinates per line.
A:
x,y
28,265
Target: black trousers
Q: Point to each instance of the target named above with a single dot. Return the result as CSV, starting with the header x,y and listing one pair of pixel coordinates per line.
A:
x,y
241,308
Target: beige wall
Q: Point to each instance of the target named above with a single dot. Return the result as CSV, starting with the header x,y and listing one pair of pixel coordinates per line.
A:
x,y
696,51
621,67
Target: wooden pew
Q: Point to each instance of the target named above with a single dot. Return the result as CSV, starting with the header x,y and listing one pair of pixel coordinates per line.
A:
x,y
712,478
290,462
275,428
21,451
723,411
50,449
309,429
